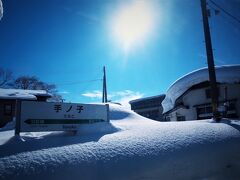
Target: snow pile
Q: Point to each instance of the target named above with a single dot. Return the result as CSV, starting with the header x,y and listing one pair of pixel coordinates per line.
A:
x,y
224,74
147,98
9,126
140,149
21,94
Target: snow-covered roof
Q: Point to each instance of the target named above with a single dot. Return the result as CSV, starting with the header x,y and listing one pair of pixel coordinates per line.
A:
x,y
22,94
146,98
140,149
224,74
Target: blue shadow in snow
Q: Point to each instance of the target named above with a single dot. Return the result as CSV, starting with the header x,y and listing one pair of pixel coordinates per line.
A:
x,y
26,143
228,122
117,115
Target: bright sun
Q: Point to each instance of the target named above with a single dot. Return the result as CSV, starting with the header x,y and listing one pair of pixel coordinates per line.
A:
x,y
133,23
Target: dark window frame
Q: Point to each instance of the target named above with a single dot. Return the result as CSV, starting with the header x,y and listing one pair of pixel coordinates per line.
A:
x,y
181,118
6,111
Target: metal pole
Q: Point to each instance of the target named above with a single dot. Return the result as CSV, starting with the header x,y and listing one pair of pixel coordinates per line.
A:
x,y
210,60
103,92
105,84
17,116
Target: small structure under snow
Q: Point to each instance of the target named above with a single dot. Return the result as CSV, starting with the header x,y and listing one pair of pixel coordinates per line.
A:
x,y
189,97
8,99
131,147
149,107
24,94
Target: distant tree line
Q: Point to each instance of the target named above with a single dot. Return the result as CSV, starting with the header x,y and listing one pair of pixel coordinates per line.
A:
x,y
7,80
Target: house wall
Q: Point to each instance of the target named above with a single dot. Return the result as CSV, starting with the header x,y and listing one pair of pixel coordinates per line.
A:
x,y
149,107
234,92
4,116
187,113
193,98
154,113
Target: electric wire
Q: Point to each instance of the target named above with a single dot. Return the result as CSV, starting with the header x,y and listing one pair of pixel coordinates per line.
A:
x,y
78,82
226,19
225,11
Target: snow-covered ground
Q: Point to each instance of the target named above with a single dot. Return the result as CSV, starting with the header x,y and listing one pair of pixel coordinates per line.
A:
x,y
130,147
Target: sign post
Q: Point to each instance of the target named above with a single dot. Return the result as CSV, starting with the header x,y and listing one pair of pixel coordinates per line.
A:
x,y
17,117
45,116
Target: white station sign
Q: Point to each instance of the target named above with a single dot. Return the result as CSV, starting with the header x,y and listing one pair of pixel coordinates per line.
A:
x,y
46,116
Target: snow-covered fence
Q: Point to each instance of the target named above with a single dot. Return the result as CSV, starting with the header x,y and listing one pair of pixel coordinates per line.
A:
x,y
35,116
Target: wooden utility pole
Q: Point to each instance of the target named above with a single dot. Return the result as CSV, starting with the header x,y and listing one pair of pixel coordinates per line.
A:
x,y
104,93
210,60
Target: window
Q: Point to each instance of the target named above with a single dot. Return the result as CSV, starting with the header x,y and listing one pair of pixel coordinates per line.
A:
x,y
204,112
181,118
7,109
208,109
231,106
205,109
201,110
208,93
167,118
231,110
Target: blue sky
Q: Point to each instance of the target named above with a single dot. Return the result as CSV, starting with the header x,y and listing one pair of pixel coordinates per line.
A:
x,y
70,41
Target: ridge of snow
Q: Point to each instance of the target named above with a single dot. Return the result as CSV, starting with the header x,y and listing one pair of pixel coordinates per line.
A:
x,y
140,149
224,74
21,94
146,98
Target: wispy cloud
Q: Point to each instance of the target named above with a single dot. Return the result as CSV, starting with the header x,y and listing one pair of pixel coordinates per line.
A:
x,y
126,96
88,16
63,92
122,97
94,94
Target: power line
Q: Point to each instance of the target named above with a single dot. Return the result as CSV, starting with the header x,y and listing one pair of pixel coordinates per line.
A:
x,y
225,18
226,12
230,22
78,82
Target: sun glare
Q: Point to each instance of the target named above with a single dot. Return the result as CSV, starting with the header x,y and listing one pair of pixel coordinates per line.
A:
x,y
133,23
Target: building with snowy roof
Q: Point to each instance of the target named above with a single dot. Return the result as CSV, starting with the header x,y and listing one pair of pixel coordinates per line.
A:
x,y
189,97
149,107
8,98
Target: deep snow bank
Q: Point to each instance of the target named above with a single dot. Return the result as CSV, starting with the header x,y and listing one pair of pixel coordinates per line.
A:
x,y
140,149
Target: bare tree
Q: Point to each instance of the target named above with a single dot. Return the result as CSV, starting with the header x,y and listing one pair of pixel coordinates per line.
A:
x,y
55,98
33,83
27,82
6,78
